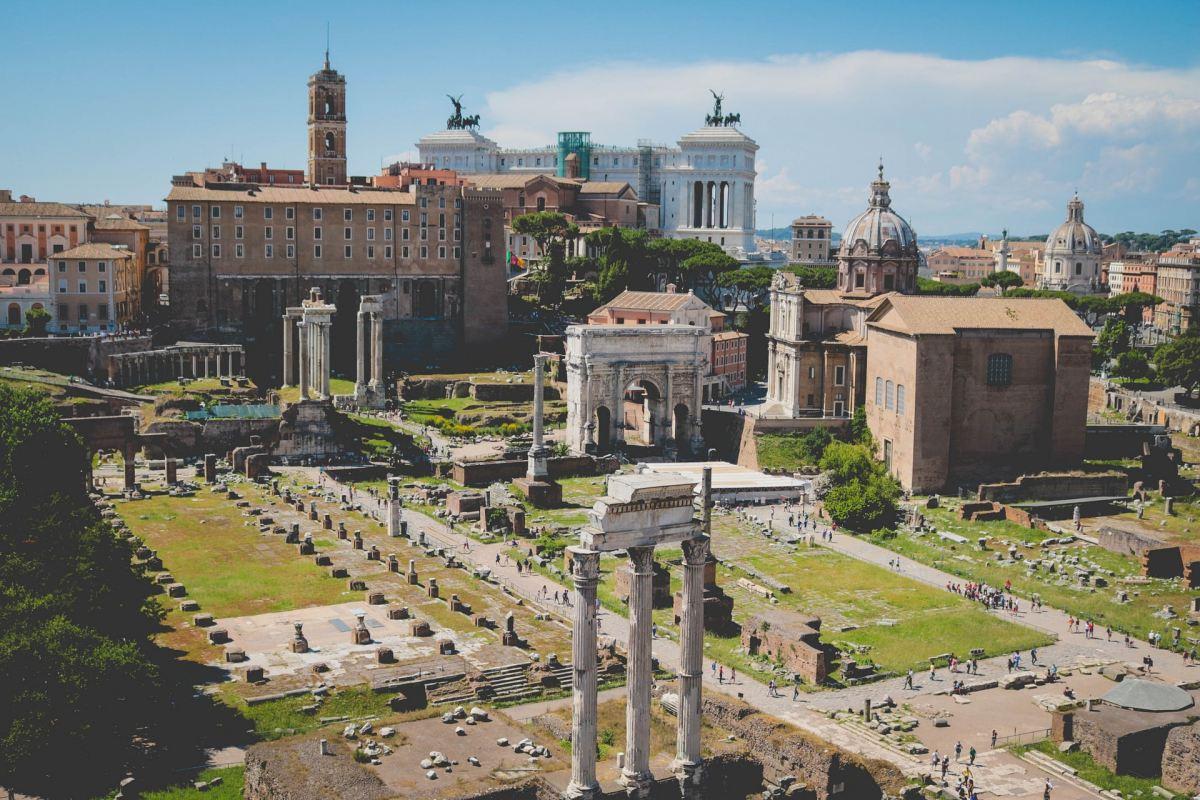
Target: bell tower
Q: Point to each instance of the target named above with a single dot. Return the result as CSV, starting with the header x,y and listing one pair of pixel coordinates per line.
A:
x,y
327,127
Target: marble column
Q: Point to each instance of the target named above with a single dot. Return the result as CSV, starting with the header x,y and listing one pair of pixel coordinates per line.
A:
x,y
326,357
131,470
586,574
305,365
538,469
635,775
691,665
361,342
393,509
377,353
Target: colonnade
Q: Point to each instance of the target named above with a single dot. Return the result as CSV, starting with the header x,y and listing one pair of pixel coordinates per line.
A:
x,y
712,204
178,361
637,513
368,386
311,324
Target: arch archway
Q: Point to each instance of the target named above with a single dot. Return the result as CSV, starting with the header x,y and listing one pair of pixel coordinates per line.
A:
x,y
23,277
642,415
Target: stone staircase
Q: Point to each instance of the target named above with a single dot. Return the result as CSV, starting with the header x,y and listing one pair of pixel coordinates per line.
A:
x,y
510,683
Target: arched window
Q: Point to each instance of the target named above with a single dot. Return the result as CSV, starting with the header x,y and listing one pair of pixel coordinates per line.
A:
x,y
999,369
541,204
23,277
879,391
890,396
330,143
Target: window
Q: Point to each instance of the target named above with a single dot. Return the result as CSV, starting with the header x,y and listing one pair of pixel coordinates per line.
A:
x,y
370,215
900,398
349,253
83,287
101,266
317,233
878,391
1078,268
83,266
216,251
289,233
316,213
83,313
404,234
316,251
441,234
215,212
424,219
237,212
239,250
238,232
442,252
268,212
999,369
196,232
387,215
180,213
404,251
62,266
291,251
62,286
196,250
289,212
458,252
349,233
387,251
404,215
269,251
268,232
195,212
102,310
102,287
370,234
216,231
347,214
370,251
889,396
387,234
424,234
424,251
839,375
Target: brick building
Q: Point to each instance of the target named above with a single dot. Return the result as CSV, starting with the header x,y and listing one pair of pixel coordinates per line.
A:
x,y
961,384
241,252
795,644
1178,284
969,264
96,288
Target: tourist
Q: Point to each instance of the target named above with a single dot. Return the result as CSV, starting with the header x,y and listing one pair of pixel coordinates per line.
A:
x,y
1046,791
733,675
945,767
995,736
957,751
1033,656
937,759
771,690
971,756
795,692
721,675
932,672
713,667
908,680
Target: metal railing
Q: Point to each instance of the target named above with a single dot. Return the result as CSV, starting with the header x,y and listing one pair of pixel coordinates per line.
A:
x,y
1028,737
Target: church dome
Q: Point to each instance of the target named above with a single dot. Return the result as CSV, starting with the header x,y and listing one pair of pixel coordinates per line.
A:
x,y
1074,237
878,226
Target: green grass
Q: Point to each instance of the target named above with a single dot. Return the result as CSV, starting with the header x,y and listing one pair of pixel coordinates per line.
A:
x,y
229,568
275,719
376,437
968,562
231,787
1086,767
291,394
780,451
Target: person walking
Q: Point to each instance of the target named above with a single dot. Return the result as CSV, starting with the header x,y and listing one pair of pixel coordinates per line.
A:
x,y
995,736
971,756
957,751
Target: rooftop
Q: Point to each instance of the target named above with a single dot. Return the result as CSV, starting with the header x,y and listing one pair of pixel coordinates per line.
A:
x,y
333,195
1140,695
116,222
39,210
650,301
95,250
947,315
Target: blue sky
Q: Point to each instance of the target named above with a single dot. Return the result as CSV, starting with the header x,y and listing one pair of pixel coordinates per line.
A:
x,y
987,114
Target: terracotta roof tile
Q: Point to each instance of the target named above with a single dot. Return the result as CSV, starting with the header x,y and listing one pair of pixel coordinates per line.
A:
x,y
648,301
94,250
331,195
39,210
946,315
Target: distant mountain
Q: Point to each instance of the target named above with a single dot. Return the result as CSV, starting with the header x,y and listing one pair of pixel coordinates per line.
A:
x,y
784,233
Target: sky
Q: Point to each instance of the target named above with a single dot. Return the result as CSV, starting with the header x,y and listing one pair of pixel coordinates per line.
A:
x,y
986,115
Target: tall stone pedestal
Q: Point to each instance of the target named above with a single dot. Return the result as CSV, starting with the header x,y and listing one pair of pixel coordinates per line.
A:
x,y
540,492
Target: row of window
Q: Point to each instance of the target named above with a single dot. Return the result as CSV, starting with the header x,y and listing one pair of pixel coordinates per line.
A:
x,y
889,395
83,311
101,286
289,233
101,266
289,251
289,212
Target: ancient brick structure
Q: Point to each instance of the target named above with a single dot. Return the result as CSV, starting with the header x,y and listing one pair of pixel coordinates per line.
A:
x,y
796,645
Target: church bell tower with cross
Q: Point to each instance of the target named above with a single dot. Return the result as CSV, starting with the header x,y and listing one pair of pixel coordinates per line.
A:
x,y
327,127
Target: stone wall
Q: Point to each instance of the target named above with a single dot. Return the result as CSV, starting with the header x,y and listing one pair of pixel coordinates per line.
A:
x,y
1055,486
212,436
1135,745
796,645
484,473
1181,760
293,769
783,749
86,356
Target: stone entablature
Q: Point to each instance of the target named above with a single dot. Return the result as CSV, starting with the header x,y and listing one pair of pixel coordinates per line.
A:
x,y
184,360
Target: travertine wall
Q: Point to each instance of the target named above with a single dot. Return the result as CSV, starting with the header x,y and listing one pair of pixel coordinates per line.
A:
x,y
1181,760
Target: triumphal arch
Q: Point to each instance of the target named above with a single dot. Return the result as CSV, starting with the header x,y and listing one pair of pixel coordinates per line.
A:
x,y
635,384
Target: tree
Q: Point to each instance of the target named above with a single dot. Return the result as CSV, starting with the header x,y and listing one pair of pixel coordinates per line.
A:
x,y
623,260
1177,362
1131,304
864,505
1114,339
75,616
749,286
860,433
550,231
702,270
813,444
36,321
1133,365
668,256
814,277
927,286
847,462
1004,280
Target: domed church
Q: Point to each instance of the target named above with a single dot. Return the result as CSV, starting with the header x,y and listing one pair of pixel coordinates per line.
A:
x,y
1072,259
879,248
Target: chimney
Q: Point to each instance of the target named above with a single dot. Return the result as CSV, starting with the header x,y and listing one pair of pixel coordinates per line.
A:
x,y
5,195
670,288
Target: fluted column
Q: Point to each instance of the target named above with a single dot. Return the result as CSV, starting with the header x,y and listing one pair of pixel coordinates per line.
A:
x,y
538,469
377,352
691,665
393,509
361,342
305,363
635,776
326,357
586,574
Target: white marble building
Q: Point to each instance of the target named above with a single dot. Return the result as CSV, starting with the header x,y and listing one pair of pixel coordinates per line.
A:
x,y
704,187
1073,251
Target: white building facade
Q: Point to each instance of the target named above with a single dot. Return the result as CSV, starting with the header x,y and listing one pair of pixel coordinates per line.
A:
x,y
1073,253
704,187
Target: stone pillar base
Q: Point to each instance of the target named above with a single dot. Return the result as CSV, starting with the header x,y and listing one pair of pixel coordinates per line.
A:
x,y
636,785
576,792
541,493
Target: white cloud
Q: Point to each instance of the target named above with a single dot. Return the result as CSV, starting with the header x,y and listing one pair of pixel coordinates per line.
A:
x,y
967,144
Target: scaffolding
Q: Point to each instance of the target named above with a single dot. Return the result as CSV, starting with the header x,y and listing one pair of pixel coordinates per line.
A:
x,y
579,143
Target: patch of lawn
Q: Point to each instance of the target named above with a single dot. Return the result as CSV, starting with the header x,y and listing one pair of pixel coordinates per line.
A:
x,y
1086,767
781,451
230,788
229,568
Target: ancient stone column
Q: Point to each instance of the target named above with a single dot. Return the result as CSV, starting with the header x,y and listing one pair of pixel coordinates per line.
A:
x,y
170,467
635,775
538,469
691,664
195,366
377,352
130,470
393,509
289,324
326,356
361,342
305,364
586,574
